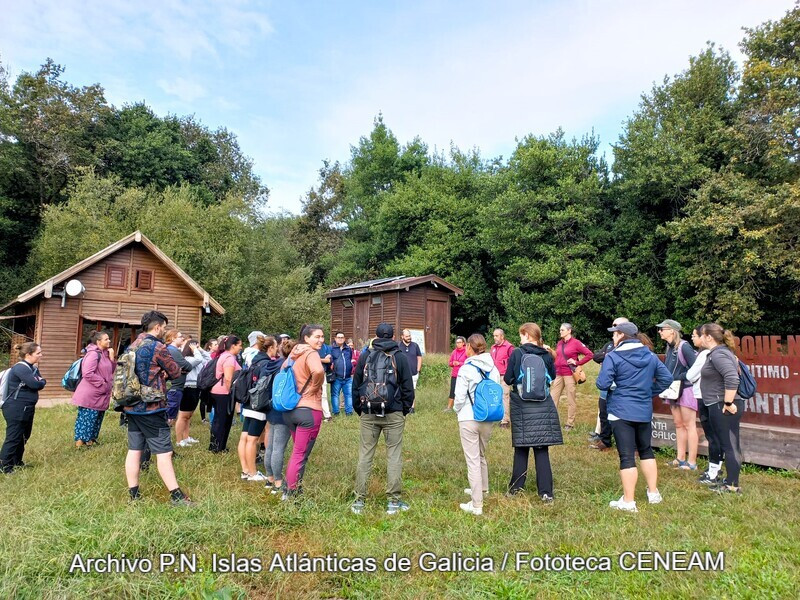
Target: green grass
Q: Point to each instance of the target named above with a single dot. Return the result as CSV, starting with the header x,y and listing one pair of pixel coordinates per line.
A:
x,y
75,501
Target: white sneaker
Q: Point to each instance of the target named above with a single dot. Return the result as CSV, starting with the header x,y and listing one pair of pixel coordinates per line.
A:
x,y
654,497
259,476
192,440
469,492
245,476
471,509
184,443
622,505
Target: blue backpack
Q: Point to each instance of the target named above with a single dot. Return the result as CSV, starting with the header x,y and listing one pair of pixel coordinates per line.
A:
x,y
488,402
747,383
73,376
285,396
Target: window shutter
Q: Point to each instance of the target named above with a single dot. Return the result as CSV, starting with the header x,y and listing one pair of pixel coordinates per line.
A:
x,y
144,280
116,276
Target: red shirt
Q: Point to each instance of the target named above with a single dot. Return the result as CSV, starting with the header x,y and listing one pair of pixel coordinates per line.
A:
x,y
500,355
571,349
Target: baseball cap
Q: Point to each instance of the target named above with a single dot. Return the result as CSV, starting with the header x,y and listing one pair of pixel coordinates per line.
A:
x,y
671,324
253,337
626,328
384,330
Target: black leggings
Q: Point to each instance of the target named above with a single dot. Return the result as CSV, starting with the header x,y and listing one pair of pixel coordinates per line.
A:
x,y
544,474
725,429
632,436
714,449
223,419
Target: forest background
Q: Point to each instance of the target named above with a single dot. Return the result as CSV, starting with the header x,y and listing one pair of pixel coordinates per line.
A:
x,y
696,219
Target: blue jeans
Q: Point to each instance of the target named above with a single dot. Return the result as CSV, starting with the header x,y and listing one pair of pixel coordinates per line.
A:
x,y
346,386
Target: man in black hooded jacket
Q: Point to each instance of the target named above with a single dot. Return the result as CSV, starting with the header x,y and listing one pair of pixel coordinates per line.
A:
x,y
388,416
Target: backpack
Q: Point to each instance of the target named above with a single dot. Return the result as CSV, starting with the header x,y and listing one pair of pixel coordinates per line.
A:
x,y
242,382
488,403
127,389
73,376
260,394
380,381
285,396
533,382
747,383
207,378
4,391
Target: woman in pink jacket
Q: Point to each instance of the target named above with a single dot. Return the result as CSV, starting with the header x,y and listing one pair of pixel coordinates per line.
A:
x,y
93,393
457,358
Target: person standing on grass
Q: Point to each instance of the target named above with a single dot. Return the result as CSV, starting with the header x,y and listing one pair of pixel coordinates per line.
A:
x,y
601,439
147,421
571,353
221,398
191,395
632,375
474,434
255,421
457,358
342,367
305,420
719,383
356,353
279,434
384,397
413,358
534,423
501,352
22,393
678,358
205,397
93,394
325,358
249,353
694,374
175,342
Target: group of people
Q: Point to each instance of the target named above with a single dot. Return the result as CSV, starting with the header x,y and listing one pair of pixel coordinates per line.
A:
x,y
378,384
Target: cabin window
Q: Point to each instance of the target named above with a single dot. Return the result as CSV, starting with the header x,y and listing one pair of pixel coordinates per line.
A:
x,y
144,280
377,300
116,277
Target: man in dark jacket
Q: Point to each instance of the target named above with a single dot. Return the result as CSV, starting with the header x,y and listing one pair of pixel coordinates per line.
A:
x,y
342,367
384,394
147,422
601,440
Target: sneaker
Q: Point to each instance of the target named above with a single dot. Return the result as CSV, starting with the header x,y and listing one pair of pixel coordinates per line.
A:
x,y
185,501
593,437
192,440
357,507
706,480
569,428
622,505
505,424
474,510
599,445
184,443
259,476
547,498
411,410
654,497
468,491
290,495
724,488
204,421
245,476
396,506
328,419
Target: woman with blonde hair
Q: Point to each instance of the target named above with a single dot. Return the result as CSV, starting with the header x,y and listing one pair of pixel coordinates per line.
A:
x,y
534,422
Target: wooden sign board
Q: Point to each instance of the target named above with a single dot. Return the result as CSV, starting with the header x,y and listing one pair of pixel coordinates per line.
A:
x,y
770,427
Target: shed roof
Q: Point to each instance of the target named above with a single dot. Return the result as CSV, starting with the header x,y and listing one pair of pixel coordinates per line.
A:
x,y
46,287
391,284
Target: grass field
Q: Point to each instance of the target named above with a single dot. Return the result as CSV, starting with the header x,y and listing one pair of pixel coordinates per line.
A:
x,y
75,502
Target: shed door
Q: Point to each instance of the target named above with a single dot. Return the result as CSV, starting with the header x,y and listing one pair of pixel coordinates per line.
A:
x,y
437,329
362,322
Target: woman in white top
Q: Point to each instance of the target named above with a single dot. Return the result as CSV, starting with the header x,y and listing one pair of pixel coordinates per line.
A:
x,y
474,434
709,477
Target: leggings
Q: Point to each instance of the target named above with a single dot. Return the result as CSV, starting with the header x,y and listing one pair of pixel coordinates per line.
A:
x,y
714,449
725,429
632,436
304,424
223,419
279,435
544,474
88,423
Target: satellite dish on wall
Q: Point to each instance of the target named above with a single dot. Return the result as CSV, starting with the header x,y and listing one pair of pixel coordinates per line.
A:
x,y
74,287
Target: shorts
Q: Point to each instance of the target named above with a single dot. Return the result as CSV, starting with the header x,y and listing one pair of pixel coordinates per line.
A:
x,y
151,428
190,400
254,427
686,398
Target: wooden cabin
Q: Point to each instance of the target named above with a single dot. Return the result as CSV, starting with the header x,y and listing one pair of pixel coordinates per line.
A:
x,y
109,290
421,304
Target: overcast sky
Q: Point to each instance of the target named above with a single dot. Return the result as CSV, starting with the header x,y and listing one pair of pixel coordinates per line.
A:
x,y
301,82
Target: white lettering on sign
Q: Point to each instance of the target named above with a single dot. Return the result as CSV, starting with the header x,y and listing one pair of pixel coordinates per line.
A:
x,y
770,371
661,432
775,404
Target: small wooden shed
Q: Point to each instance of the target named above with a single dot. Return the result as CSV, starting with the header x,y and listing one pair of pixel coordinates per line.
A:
x,y
114,288
416,303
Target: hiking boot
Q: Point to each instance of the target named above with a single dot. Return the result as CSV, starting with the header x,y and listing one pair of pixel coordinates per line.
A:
x,y
357,507
396,506
622,505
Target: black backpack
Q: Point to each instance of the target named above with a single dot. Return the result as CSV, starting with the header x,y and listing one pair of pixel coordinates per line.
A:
x,y
243,381
207,378
380,382
533,381
260,394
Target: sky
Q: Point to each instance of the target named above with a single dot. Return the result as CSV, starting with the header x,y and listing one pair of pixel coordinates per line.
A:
x,y
301,82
